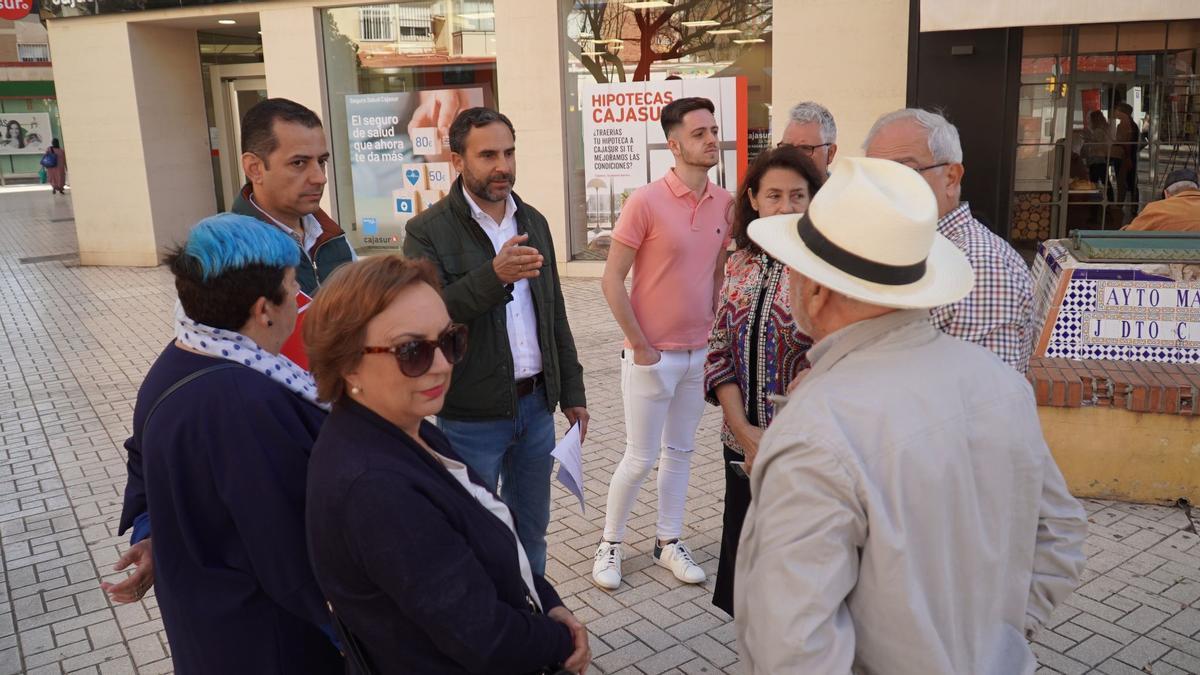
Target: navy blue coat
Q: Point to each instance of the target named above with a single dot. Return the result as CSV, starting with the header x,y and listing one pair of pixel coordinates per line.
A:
x,y
422,573
222,469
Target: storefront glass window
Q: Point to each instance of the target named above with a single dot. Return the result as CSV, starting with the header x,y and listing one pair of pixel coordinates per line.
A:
x,y
1105,112
624,62
398,73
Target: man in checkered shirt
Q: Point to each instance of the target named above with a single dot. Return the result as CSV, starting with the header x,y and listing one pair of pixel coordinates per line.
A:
x,y
998,314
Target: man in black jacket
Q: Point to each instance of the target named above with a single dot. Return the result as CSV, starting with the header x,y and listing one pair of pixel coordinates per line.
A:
x,y
496,261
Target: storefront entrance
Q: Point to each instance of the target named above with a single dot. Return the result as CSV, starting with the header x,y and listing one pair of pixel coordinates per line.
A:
x,y
236,88
234,79
1064,127
1105,112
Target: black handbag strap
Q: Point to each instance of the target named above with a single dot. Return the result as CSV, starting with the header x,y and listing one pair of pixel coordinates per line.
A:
x,y
351,648
179,385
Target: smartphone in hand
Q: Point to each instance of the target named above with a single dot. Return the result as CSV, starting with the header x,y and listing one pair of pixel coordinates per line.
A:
x,y
739,468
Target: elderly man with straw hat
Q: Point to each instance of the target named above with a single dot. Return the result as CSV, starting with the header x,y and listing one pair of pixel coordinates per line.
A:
x,y
907,516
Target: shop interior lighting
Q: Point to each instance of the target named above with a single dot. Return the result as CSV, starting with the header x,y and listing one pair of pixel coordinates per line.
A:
x,y
226,22
647,4
610,41
748,42
701,24
724,31
593,53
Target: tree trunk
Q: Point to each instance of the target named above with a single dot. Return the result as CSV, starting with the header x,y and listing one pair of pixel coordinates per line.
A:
x,y
647,59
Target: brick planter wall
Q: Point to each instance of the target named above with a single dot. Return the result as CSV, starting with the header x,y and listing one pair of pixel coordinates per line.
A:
x,y
1136,386
1122,429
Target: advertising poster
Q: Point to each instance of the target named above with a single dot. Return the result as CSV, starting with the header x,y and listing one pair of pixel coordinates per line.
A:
x,y
624,146
24,133
400,156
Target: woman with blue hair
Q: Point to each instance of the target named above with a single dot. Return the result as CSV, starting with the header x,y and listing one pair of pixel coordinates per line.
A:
x,y
218,460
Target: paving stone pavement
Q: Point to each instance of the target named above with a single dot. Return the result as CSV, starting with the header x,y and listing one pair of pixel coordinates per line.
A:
x,y
76,341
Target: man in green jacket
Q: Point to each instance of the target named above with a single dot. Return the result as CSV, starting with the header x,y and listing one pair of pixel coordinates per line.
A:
x,y
284,154
497,265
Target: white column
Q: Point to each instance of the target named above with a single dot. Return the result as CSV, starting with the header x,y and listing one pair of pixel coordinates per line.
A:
x,y
529,65
139,160
857,79
295,63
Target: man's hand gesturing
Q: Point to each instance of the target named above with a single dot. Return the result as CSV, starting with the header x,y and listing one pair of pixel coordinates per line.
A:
x,y
515,262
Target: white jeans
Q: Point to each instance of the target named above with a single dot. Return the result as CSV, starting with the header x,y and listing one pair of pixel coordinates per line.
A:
x,y
663,405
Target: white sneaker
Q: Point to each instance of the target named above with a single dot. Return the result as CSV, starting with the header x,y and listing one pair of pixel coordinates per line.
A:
x,y
606,571
677,558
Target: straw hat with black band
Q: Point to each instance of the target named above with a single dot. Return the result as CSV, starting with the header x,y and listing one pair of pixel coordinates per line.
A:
x,y
870,234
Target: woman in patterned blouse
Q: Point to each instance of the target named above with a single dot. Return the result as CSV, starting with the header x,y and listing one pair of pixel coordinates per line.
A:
x,y
755,348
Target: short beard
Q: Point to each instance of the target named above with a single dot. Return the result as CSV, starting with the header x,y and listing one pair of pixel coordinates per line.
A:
x,y
482,188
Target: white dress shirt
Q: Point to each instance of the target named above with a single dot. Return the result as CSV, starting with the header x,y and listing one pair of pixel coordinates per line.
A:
x,y
520,316
907,516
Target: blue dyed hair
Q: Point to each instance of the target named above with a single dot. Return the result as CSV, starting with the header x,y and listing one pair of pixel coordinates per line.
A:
x,y
228,242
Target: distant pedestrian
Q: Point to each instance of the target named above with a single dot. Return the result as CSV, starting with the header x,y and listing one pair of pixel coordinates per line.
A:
x,y
56,168
755,349
907,517
673,233
1127,137
1098,151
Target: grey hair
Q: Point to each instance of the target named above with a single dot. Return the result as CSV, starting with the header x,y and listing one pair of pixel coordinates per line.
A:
x,y
808,112
1175,188
941,135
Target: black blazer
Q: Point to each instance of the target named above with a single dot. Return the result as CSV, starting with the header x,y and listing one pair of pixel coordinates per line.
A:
x,y
420,571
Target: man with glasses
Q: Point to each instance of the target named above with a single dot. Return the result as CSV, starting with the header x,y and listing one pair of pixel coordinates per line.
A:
x,y
813,132
998,313
499,276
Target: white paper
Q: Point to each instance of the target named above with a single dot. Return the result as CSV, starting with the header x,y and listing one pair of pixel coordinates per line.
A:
x,y
569,453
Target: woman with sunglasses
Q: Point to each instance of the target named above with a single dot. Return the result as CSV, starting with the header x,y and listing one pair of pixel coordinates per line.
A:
x,y
217,465
418,558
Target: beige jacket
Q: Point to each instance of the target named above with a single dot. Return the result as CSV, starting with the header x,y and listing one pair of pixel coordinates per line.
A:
x,y
907,515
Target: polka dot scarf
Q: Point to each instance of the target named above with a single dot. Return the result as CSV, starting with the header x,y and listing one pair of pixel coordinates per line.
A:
x,y
233,346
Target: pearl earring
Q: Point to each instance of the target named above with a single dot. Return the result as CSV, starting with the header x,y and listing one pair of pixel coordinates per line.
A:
x,y
355,391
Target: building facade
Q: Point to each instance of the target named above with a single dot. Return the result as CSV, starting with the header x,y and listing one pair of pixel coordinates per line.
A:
x,y
28,107
151,94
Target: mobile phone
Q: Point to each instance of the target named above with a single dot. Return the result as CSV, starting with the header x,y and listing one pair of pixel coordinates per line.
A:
x,y
739,468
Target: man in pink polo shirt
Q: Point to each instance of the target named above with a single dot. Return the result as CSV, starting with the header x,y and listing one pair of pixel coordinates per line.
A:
x,y
674,233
